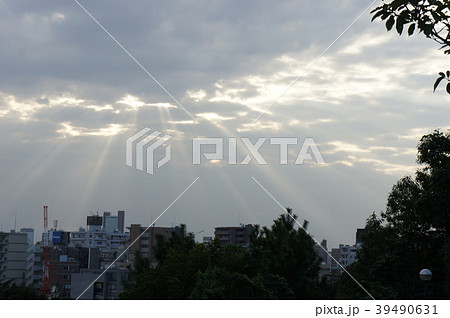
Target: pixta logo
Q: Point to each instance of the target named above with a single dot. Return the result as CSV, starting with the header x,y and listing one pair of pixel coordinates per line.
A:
x,y
144,140
253,148
143,144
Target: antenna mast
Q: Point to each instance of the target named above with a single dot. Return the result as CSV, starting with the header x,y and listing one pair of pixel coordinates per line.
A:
x,y
45,288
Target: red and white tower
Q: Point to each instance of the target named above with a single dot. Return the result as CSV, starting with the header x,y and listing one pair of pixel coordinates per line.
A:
x,y
45,288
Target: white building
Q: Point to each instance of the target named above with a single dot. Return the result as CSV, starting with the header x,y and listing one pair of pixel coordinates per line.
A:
x,y
345,255
100,239
104,234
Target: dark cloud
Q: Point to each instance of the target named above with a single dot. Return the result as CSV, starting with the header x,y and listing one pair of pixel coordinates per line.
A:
x,y
366,102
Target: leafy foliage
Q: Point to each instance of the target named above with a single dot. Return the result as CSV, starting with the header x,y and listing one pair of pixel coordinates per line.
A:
x,y
279,264
430,17
288,252
218,283
413,233
12,291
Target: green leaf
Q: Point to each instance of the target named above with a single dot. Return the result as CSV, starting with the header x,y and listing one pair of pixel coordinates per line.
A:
x,y
438,80
411,29
390,23
448,88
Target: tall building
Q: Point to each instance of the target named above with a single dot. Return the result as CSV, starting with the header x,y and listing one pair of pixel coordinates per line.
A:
x,y
13,257
29,260
236,235
62,269
103,235
325,260
146,242
102,232
121,223
321,252
94,223
114,223
105,214
111,223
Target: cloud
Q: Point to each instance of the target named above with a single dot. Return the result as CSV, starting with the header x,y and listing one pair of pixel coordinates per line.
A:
x,y
365,41
133,103
101,108
260,126
366,101
67,130
196,95
342,146
213,117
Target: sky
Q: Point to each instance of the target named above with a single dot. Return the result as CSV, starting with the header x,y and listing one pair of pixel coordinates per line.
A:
x,y
71,95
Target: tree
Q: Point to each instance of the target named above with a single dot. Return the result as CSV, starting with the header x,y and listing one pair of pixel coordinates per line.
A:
x,y
430,17
180,259
413,233
287,252
11,291
180,239
219,283
279,264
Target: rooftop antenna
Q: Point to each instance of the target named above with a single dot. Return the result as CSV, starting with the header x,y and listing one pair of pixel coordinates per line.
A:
x,y
45,287
15,221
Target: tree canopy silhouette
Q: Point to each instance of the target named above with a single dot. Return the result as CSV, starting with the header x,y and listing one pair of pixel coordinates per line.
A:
x,y
430,17
280,263
413,233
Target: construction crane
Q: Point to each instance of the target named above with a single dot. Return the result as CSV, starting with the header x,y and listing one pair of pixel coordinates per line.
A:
x,y
45,288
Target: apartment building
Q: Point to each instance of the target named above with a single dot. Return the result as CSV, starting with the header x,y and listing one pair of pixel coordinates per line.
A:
x,y
146,242
13,257
236,235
